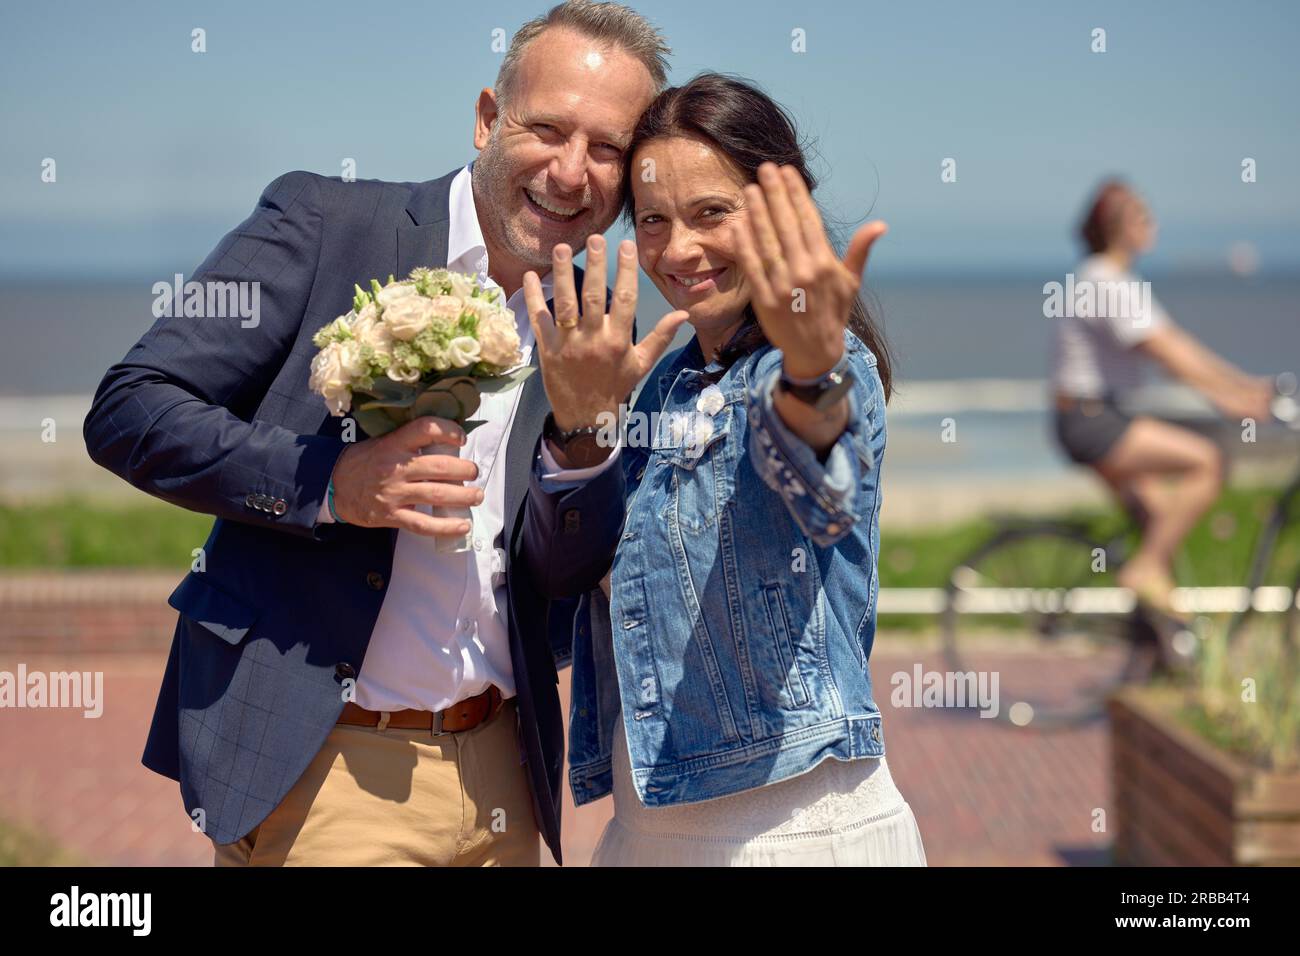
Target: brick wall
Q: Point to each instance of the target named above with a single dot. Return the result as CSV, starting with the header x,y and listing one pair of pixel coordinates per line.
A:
x,y
86,611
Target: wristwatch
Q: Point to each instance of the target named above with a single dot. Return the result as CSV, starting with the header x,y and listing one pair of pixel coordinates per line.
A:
x,y
579,442
823,391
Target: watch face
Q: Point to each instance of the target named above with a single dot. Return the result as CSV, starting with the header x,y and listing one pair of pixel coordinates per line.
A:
x,y
822,395
835,392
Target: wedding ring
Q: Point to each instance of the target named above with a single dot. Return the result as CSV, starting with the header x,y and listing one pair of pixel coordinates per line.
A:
x,y
571,324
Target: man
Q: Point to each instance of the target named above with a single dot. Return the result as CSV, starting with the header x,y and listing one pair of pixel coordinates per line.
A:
x,y
339,692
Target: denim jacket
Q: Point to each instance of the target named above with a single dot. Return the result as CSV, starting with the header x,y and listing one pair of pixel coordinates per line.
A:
x,y
742,595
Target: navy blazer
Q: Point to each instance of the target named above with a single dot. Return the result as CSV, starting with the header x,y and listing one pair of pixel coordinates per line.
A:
x,y
217,417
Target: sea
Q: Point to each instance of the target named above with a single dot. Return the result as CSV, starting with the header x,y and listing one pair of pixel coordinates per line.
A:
x,y
971,358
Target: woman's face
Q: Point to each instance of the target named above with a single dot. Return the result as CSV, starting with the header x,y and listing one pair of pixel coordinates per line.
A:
x,y
687,194
1137,227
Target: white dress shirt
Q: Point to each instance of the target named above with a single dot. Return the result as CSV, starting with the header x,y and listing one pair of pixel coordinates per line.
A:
x,y
442,634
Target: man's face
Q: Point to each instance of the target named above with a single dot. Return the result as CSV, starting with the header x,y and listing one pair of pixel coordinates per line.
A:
x,y
551,157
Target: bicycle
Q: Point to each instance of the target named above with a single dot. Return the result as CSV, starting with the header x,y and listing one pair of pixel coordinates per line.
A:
x,y
1076,636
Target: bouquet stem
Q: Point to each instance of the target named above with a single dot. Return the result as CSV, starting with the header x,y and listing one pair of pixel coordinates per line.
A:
x,y
451,545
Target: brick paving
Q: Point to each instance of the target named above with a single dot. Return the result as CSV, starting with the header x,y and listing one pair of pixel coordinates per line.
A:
x,y
984,793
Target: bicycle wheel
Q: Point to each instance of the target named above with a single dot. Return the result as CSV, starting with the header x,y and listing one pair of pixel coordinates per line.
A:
x,y
1037,606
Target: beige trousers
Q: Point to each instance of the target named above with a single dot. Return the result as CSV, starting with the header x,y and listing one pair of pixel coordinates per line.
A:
x,y
403,798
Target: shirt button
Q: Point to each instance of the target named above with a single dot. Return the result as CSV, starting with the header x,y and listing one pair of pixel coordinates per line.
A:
x,y
375,580
478,544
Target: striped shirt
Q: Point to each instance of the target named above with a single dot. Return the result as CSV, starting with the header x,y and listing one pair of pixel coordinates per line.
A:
x,y
1105,311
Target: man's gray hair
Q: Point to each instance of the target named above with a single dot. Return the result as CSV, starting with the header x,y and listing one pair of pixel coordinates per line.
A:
x,y
609,23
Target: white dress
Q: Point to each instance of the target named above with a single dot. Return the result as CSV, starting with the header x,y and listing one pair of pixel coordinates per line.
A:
x,y
839,813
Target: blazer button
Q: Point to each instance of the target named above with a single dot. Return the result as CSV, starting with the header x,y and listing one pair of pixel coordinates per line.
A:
x,y
375,580
251,500
572,521
280,506
344,671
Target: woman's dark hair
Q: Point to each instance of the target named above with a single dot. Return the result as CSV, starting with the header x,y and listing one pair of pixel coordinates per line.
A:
x,y
1103,215
750,128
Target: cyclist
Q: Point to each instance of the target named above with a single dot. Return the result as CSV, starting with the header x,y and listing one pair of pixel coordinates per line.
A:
x,y
1165,475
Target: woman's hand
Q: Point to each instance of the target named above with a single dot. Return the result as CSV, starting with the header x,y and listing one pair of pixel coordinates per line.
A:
x,y
802,291
589,364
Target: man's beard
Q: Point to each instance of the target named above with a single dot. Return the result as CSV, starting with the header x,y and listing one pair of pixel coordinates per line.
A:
x,y
491,180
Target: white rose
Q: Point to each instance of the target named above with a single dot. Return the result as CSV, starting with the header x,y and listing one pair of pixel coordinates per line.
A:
x,y
394,293
331,377
461,285
368,330
499,339
479,308
446,307
350,356
400,373
407,317
462,351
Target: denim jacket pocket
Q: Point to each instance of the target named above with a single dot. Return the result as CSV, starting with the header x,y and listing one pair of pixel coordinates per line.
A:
x,y
779,623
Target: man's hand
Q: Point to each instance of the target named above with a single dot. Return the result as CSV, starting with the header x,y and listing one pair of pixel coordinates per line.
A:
x,y
378,481
589,364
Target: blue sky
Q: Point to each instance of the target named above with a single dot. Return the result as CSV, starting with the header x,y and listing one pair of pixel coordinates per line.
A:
x,y
160,150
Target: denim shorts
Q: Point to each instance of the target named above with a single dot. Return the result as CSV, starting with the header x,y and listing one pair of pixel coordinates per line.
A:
x,y
1089,429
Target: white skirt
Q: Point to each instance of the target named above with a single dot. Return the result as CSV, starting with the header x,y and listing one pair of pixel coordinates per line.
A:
x,y
836,814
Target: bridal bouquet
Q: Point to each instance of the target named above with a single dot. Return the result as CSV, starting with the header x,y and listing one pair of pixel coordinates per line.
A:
x,y
430,344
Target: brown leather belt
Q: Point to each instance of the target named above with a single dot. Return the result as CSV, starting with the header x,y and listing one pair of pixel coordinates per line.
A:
x,y
460,716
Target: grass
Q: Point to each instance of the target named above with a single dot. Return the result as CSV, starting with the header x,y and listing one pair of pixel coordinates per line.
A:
x,y
75,533
1245,697
22,846
79,533
1216,553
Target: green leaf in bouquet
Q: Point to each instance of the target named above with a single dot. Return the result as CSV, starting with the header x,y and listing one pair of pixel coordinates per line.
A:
x,y
466,393
374,421
504,383
360,300
436,402
374,288
385,393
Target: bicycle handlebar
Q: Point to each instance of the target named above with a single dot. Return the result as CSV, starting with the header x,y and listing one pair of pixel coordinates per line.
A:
x,y
1285,406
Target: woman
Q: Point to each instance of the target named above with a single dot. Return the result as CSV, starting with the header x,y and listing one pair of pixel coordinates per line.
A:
x,y
721,691
1165,475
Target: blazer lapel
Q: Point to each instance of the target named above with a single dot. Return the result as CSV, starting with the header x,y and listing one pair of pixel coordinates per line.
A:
x,y
527,425
423,240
